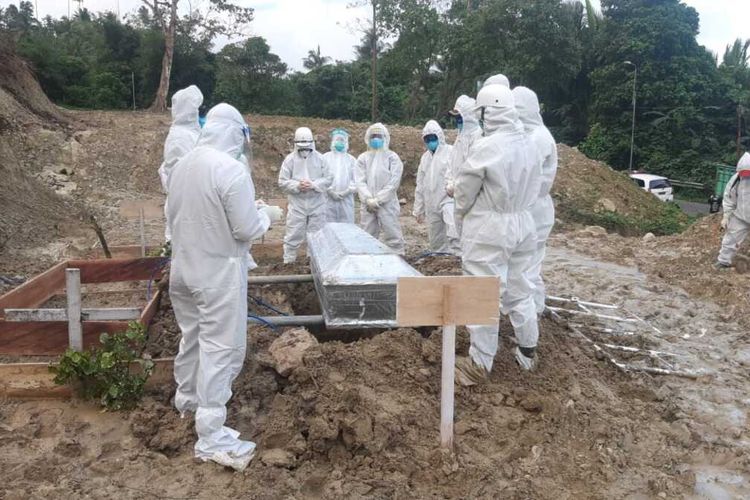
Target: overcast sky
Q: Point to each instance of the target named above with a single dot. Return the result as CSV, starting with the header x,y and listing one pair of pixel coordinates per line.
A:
x,y
292,27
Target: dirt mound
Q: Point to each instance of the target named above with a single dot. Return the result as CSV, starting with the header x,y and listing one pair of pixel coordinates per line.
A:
x,y
32,213
591,192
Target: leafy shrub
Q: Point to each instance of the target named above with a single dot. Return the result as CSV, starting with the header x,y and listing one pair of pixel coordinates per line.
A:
x,y
107,373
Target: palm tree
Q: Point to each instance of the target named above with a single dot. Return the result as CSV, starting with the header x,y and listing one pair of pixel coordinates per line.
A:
x,y
315,60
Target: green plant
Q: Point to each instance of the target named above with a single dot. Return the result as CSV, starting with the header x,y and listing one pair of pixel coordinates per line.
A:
x,y
114,373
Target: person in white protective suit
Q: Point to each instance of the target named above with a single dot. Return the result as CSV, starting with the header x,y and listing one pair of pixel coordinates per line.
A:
x,y
183,134
431,201
305,178
498,79
736,220
527,105
377,176
342,189
213,219
495,191
468,131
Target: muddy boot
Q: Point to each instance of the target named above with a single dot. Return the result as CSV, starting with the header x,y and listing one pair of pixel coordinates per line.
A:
x,y
469,373
721,266
526,358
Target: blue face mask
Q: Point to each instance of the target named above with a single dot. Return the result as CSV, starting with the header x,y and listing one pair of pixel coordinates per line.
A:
x,y
376,143
201,121
433,145
459,123
339,146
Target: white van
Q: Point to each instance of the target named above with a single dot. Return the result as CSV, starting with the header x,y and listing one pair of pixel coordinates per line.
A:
x,y
655,184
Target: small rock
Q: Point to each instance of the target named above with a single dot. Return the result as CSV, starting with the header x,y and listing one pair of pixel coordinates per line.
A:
x,y
606,204
532,404
593,231
649,237
402,201
277,457
288,349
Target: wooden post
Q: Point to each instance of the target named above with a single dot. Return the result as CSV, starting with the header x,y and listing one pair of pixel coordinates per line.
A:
x,y
143,232
447,371
73,292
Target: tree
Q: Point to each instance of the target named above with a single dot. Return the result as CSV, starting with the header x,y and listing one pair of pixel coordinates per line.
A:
x,y
315,60
220,18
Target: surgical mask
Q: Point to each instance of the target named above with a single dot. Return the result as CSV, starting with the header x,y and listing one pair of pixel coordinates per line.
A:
x,y
201,121
339,146
459,123
376,143
433,145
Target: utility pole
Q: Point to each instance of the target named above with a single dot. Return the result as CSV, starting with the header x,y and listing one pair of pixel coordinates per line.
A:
x,y
632,128
374,69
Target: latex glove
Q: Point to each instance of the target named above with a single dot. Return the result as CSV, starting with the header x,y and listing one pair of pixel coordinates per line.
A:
x,y
334,195
420,219
449,189
305,185
725,221
372,205
273,212
260,203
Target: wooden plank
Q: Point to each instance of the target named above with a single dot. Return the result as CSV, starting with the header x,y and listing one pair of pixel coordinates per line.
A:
x,y
36,291
96,314
121,252
473,300
34,380
50,338
114,270
150,310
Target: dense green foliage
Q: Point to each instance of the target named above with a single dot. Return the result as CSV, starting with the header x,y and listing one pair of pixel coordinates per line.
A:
x,y
107,373
688,104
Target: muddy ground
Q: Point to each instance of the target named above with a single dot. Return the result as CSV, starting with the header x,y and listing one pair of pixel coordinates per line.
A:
x,y
360,419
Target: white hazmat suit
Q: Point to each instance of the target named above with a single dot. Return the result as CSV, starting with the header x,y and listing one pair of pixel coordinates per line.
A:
x,y
527,105
495,191
431,201
182,137
342,189
378,176
214,219
469,133
736,219
307,206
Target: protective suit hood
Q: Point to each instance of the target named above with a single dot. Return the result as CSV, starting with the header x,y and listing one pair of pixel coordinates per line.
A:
x,y
527,105
499,79
744,163
433,127
378,128
465,106
223,130
185,104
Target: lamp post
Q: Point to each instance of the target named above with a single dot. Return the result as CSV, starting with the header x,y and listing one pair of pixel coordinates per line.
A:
x,y
632,128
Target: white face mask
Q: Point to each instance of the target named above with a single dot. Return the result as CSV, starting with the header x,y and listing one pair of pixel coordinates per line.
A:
x,y
304,153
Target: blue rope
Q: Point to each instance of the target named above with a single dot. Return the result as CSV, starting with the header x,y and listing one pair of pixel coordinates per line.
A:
x,y
262,321
268,306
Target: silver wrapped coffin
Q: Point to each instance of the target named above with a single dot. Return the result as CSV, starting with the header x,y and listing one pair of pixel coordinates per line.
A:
x,y
355,277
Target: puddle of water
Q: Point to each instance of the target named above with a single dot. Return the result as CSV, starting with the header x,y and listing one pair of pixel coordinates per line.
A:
x,y
716,483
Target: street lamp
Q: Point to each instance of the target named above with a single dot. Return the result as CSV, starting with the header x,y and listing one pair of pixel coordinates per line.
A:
x,y
632,128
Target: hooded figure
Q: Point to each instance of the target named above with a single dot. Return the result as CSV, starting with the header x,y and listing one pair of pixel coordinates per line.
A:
x,y
213,220
378,176
736,219
495,191
468,132
431,201
341,192
527,105
183,134
305,178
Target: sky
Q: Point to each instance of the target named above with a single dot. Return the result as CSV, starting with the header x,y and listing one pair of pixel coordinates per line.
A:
x,y
292,27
